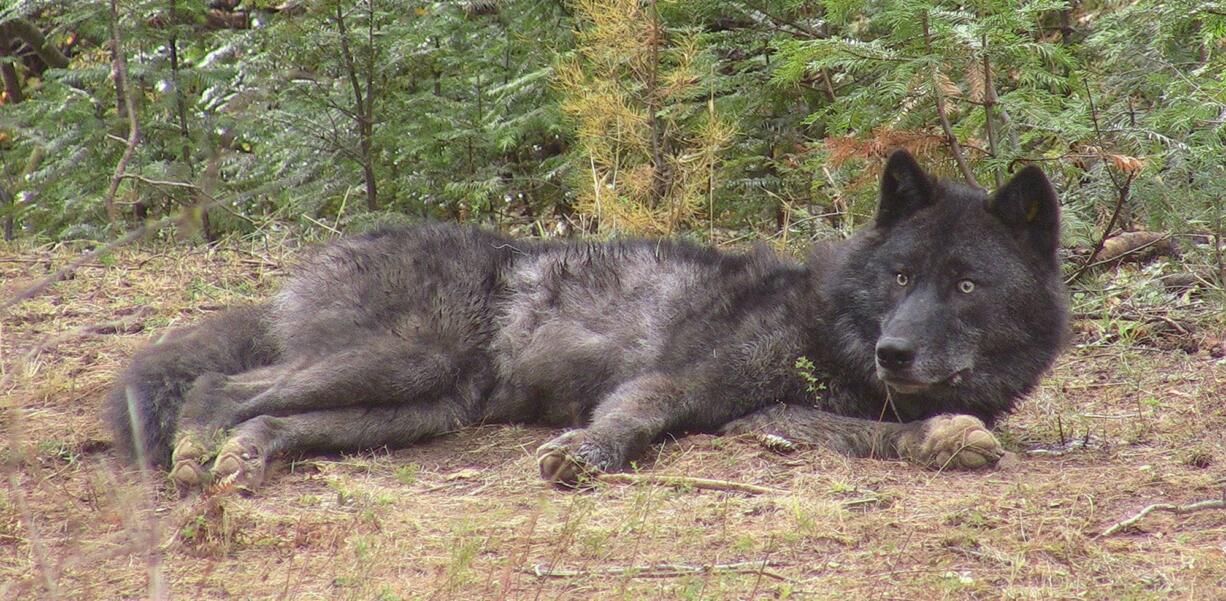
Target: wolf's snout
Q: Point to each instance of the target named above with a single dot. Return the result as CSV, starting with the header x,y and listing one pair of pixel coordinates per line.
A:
x,y
895,353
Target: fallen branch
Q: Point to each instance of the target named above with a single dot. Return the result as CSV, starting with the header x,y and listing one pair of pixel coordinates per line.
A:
x,y
1168,507
46,262
1126,245
663,570
683,481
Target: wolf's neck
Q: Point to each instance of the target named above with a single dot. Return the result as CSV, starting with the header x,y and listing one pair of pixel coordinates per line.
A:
x,y
817,311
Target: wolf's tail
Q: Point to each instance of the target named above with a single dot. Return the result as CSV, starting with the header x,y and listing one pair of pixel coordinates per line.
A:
x,y
144,405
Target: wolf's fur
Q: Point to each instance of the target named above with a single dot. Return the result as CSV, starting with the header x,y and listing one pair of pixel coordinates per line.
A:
x,y
387,338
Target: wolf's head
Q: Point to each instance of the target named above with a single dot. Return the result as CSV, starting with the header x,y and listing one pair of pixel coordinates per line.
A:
x,y
954,297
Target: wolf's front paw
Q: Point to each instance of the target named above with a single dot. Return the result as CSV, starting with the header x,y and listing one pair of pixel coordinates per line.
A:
x,y
240,463
572,457
954,442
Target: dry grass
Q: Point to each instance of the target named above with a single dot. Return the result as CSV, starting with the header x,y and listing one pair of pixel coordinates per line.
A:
x,y
465,517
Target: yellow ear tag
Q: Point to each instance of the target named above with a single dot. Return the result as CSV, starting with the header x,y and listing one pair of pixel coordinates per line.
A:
x,y
1033,212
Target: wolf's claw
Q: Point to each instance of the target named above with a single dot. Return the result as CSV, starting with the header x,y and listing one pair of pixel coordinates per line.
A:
x,y
559,467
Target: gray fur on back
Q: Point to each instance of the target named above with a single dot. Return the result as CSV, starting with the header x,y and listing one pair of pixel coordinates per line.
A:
x,y
562,324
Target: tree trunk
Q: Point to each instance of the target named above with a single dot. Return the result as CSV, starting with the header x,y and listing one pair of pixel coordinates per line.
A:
x,y
363,117
659,182
6,200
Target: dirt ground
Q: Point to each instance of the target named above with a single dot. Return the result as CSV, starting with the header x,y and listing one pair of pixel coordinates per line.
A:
x,y
1126,420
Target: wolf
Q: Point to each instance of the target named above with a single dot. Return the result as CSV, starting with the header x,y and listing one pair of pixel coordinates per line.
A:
x,y
921,330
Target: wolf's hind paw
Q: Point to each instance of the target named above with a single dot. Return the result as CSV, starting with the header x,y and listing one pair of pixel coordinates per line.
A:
x,y
957,442
559,467
239,463
188,474
572,458
185,460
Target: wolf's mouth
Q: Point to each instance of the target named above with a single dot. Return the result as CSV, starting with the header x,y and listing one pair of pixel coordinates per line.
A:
x,y
905,385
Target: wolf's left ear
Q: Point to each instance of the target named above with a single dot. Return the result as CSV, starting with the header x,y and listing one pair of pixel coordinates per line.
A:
x,y
1028,204
905,189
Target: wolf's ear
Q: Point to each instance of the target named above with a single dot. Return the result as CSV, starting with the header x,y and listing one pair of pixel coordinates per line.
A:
x,y
905,189
1028,204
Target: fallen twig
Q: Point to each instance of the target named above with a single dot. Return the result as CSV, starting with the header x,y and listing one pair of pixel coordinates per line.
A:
x,y
663,570
46,261
703,483
859,501
1169,507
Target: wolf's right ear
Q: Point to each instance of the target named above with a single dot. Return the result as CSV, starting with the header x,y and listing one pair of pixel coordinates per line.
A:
x,y
905,189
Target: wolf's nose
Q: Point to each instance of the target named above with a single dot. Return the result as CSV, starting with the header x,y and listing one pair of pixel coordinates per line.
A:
x,y
895,353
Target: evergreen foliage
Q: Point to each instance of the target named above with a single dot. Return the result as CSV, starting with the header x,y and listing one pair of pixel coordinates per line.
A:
x,y
650,116
641,100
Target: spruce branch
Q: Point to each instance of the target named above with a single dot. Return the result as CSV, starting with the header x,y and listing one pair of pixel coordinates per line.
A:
x,y
686,482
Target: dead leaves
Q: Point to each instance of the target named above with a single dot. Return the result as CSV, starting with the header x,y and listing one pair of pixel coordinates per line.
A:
x,y
1125,163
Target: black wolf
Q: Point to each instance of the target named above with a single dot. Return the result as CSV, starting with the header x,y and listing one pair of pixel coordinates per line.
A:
x,y
922,330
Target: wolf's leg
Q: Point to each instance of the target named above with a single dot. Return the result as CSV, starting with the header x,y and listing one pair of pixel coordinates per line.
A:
x,y
144,406
943,442
208,408
243,457
384,373
623,424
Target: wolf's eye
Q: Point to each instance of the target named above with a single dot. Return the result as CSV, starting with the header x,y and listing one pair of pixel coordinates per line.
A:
x,y
966,286
902,278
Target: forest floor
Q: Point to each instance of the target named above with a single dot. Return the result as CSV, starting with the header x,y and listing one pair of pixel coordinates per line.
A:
x,y
1134,414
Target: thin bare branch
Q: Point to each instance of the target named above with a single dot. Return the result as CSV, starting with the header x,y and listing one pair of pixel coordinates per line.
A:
x,y
683,481
954,147
1167,507
662,570
989,103
92,256
120,71
363,123
1122,189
